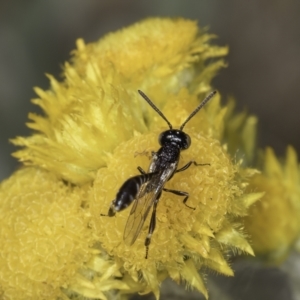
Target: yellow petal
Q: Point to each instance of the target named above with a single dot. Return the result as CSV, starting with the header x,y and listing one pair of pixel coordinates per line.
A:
x,y
191,275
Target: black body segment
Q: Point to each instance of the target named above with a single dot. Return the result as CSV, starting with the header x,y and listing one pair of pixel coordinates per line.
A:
x,y
128,192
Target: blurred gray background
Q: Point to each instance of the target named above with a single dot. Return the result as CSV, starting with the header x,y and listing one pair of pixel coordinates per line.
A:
x,y
36,37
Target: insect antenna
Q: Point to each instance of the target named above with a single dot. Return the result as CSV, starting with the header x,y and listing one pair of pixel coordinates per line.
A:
x,y
155,108
208,97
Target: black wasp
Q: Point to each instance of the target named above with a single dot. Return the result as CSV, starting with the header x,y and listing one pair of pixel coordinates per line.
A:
x,y
146,188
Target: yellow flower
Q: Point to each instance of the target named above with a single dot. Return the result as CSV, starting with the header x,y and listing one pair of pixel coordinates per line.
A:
x,y
97,107
95,132
274,222
44,233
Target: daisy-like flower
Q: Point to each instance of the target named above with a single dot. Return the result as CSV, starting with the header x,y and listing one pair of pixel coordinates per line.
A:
x,y
94,133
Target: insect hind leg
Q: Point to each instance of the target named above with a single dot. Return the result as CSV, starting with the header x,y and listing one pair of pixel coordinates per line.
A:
x,y
180,193
151,229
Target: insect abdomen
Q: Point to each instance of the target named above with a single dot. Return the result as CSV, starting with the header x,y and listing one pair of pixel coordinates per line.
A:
x,y
128,192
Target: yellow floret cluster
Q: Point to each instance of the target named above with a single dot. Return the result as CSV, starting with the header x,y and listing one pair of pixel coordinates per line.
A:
x,y
44,234
182,234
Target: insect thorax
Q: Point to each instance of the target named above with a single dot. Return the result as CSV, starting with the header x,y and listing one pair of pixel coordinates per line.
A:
x,y
164,157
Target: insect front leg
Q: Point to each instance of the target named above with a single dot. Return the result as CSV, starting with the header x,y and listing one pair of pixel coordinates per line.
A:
x,y
141,170
185,167
146,153
180,193
128,193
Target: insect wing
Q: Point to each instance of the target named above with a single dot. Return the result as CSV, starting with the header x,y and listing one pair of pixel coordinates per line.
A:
x,y
140,210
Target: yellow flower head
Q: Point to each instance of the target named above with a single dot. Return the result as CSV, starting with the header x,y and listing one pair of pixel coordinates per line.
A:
x,y
44,233
95,132
96,107
273,222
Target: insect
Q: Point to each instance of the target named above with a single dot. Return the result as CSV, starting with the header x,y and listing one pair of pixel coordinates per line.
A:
x,y
145,189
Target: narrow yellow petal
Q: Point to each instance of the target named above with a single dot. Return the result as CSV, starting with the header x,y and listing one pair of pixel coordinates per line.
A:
x,y
272,165
249,199
229,236
191,275
218,263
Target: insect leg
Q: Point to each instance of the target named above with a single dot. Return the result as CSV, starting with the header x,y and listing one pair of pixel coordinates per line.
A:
x,y
141,170
185,167
151,227
180,193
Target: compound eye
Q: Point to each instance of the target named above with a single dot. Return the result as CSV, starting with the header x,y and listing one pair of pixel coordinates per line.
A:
x,y
161,138
187,142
